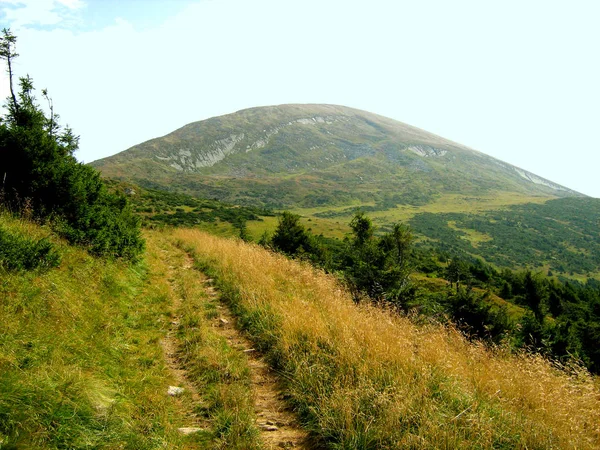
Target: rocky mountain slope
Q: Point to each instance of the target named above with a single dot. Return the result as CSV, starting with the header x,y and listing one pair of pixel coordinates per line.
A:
x,y
316,155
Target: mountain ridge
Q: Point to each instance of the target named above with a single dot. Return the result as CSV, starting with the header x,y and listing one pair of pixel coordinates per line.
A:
x,y
285,155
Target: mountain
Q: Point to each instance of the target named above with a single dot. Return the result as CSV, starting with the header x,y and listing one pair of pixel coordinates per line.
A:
x,y
307,156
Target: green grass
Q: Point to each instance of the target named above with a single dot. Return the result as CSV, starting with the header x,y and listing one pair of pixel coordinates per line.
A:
x,y
166,208
81,364
21,252
559,235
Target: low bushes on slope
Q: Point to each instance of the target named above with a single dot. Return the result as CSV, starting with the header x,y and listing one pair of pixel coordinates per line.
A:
x,y
18,252
361,377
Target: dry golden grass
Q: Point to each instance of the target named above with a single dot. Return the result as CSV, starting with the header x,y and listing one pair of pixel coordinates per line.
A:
x,y
362,377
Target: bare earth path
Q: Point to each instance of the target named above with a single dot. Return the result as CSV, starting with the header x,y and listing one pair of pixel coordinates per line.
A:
x,y
278,425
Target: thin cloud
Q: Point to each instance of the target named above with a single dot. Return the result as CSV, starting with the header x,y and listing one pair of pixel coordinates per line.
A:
x,y
72,4
32,13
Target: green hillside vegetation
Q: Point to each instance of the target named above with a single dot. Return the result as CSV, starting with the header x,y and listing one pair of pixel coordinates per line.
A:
x,y
19,252
556,236
163,208
560,235
77,359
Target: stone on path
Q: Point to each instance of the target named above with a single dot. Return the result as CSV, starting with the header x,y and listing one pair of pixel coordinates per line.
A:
x,y
189,430
175,391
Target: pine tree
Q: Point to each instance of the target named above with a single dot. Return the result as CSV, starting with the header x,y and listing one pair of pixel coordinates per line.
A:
x,y
39,170
290,236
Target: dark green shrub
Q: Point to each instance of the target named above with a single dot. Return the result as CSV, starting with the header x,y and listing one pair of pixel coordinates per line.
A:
x,y
379,266
107,227
290,236
474,314
22,253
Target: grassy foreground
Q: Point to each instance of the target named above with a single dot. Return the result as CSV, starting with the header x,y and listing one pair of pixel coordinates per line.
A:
x,y
81,361
361,377
80,366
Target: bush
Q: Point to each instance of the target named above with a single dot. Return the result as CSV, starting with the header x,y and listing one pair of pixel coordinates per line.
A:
x,y
22,253
107,227
290,236
474,314
379,267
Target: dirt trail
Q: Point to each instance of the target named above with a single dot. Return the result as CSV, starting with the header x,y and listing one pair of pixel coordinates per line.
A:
x,y
278,425
169,345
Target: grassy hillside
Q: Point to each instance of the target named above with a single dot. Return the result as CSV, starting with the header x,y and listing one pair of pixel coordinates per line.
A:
x,y
361,377
166,208
560,236
82,363
91,346
79,354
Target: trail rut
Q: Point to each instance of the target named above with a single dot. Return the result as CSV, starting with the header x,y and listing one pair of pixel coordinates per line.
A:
x,y
170,345
278,425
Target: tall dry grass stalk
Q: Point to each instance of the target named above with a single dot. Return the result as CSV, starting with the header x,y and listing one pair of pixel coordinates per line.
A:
x,y
362,377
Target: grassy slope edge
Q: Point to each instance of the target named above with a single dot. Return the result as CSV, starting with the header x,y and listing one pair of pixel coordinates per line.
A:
x,y
78,354
361,377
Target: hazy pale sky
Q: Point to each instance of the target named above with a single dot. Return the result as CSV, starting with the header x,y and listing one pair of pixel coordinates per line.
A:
x,y
518,80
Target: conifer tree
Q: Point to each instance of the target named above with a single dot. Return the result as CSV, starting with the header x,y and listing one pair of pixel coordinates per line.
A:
x,y
290,236
39,169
